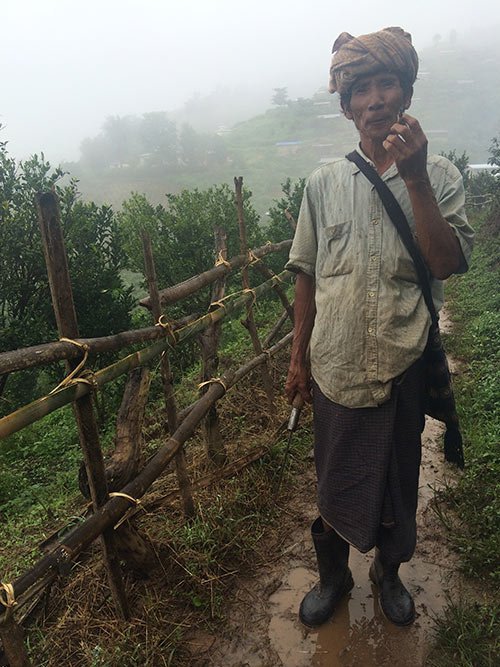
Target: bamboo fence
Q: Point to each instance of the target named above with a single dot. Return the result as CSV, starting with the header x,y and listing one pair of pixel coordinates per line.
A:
x,y
110,510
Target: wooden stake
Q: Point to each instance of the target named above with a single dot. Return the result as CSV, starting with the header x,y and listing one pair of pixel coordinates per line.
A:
x,y
209,342
12,637
124,462
166,375
64,309
249,323
276,328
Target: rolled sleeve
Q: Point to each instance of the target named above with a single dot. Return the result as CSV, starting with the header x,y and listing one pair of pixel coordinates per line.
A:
x,y
452,206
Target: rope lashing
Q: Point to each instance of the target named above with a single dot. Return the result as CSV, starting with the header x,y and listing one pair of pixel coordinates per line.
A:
x,y
7,599
211,381
75,375
252,292
252,258
220,260
135,502
119,494
167,327
217,304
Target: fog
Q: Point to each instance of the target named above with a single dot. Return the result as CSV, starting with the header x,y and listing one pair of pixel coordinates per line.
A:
x,y
67,65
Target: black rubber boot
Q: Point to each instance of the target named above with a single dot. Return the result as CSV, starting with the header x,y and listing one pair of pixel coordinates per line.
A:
x,y
395,601
335,578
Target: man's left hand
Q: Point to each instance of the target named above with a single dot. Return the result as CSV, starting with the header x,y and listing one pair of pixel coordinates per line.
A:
x,y
406,143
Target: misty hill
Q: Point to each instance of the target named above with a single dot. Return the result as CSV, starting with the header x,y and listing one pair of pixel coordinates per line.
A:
x,y
457,100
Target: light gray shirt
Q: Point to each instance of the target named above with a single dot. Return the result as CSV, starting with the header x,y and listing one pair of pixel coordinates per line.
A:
x,y
371,318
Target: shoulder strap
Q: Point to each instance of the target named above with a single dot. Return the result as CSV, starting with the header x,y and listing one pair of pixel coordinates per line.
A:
x,y
398,218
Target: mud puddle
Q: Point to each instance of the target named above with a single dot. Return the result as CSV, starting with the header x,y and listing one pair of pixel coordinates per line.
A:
x,y
264,630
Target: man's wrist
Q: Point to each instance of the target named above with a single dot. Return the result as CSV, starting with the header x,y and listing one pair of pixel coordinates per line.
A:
x,y
419,184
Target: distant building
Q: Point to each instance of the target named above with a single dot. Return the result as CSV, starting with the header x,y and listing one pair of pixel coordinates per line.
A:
x,y
288,147
482,166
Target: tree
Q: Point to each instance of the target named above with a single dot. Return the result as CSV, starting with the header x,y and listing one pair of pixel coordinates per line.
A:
x,y
159,137
280,226
122,135
461,162
94,256
280,97
182,232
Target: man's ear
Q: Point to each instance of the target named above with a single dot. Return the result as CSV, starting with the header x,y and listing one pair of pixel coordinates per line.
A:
x,y
346,110
407,99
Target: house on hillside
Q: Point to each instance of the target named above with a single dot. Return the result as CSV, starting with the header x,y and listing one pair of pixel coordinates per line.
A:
x,y
288,147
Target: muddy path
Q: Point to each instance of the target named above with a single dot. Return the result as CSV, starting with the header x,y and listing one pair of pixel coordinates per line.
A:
x,y
264,630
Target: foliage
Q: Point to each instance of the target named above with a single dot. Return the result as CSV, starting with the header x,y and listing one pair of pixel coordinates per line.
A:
x,y
494,158
280,227
280,96
476,338
468,635
95,259
461,162
182,233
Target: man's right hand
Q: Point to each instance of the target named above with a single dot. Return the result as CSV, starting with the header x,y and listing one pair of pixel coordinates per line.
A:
x,y
298,381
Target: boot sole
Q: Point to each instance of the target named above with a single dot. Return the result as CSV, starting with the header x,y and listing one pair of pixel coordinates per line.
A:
x,y
402,624
347,587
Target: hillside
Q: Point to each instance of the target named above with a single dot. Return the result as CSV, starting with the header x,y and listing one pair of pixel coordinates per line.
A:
x,y
457,100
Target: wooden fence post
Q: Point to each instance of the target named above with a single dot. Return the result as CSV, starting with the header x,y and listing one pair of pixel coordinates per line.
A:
x,y
64,309
12,637
249,323
166,375
209,342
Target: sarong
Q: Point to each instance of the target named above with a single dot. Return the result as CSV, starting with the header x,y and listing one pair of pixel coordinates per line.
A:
x,y
367,464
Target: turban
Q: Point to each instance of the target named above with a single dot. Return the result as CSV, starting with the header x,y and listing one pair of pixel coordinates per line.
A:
x,y
388,49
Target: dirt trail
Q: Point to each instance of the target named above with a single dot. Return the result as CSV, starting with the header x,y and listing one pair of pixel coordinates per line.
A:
x,y
264,630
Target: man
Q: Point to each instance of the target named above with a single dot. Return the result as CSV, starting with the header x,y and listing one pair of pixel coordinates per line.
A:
x,y
360,313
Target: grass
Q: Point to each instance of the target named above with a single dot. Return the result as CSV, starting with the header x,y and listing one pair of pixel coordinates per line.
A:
x,y
238,526
468,633
469,636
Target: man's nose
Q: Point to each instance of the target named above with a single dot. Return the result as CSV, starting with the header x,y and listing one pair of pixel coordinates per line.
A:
x,y
375,102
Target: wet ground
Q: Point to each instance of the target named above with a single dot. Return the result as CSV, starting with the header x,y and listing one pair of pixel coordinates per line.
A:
x,y
264,630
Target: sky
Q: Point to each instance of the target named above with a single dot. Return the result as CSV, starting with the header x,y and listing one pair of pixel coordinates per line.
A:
x,y
67,65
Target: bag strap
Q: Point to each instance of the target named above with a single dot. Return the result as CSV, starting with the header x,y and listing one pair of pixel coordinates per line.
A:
x,y
399,220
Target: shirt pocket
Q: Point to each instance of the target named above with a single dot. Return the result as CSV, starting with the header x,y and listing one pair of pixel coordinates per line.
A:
x,y
335,252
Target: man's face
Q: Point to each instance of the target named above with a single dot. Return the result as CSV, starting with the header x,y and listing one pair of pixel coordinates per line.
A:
x,y
375,104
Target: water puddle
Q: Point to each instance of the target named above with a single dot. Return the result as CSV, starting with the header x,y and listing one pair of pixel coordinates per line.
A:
x,y
359,634
266,631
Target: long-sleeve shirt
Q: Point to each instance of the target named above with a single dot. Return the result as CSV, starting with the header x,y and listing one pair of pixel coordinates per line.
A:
x,y
371,318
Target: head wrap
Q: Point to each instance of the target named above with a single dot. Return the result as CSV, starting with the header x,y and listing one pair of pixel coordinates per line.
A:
x,y
388,49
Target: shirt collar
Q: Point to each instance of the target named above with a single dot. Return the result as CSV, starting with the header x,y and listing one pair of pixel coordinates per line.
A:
x,y
389,173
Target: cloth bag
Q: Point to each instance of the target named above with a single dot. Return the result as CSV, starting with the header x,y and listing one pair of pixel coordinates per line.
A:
x,y
439,397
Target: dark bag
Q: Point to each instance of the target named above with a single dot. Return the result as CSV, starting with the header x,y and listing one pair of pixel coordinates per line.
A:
x,y
439,398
